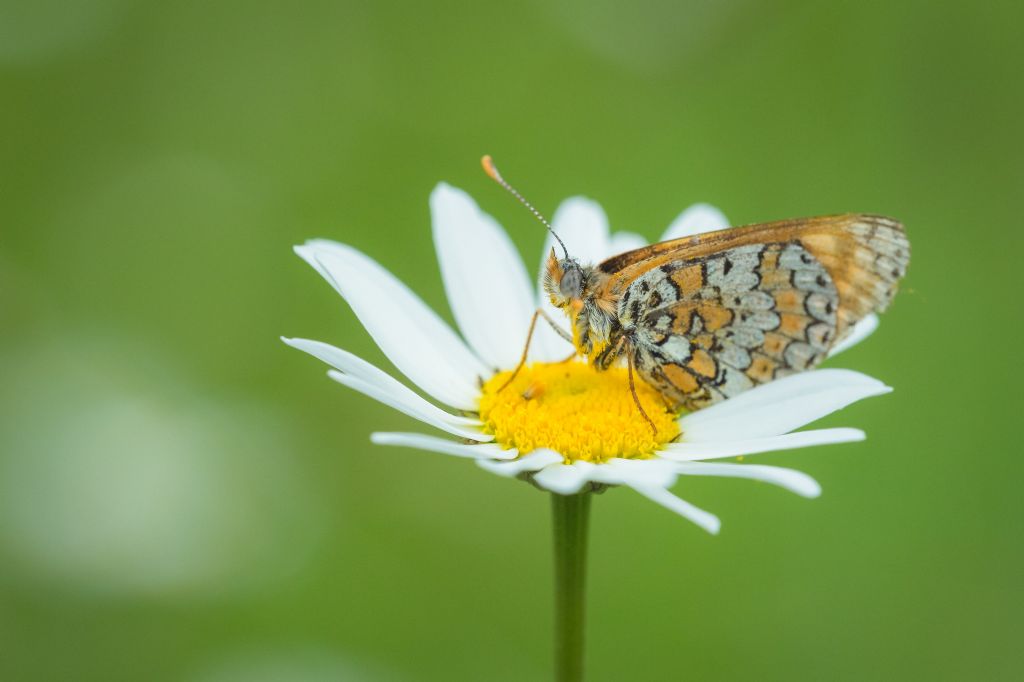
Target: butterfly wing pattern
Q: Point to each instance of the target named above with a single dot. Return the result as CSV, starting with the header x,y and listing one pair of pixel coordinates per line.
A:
x,y
712,316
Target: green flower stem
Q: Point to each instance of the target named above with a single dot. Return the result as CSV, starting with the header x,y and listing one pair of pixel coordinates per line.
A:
x,y
570,516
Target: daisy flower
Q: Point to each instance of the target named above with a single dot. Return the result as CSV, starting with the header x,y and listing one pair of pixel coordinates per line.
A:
x,y
560,425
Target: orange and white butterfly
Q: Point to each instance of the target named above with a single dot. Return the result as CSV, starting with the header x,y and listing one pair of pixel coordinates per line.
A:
x,y
706,317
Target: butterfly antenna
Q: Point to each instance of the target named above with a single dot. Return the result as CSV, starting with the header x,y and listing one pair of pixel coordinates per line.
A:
x,y
492,171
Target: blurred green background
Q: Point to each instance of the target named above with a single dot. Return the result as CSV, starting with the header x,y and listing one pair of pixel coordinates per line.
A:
x,y
182,497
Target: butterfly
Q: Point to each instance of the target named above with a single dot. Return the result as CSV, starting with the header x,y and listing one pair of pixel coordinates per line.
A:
x,y
706,317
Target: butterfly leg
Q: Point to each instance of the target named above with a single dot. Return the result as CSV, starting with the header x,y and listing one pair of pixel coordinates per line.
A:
x,y
529,337
632,389
554,325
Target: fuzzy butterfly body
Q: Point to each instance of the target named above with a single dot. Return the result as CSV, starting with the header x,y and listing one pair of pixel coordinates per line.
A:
x,y
707,317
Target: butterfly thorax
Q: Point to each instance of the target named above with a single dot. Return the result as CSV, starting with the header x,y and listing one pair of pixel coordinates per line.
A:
x,y
581,292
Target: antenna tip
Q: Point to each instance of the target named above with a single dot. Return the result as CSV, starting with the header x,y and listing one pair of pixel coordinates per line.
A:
x,y
492,171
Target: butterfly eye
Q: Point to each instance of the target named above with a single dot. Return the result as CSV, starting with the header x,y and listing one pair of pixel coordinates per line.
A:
x,y
571,285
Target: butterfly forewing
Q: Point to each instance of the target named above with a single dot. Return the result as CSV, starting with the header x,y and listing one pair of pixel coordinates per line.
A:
x,y
864,254
713,315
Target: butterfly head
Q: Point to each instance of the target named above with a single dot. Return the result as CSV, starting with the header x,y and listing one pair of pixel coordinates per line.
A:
x,y
564,281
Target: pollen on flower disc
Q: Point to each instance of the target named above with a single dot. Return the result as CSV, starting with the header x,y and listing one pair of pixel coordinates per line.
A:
x,y
576,411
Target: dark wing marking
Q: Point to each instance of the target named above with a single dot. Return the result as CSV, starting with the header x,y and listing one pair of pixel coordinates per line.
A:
x,y
865,256
708,328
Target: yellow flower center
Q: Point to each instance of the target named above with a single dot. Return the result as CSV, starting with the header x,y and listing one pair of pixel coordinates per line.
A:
x,y
580,413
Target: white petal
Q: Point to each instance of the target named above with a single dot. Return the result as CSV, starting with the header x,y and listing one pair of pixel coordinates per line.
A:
x,y
570,478
413,337
363,370
862,330
418,441
704,519
390,399
779,406
488,289
691,452
644,472
621,242
564,479
790,479
583,226
535,461
697,219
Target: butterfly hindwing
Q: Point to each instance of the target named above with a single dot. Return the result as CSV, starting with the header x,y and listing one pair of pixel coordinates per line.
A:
x,y
706,328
